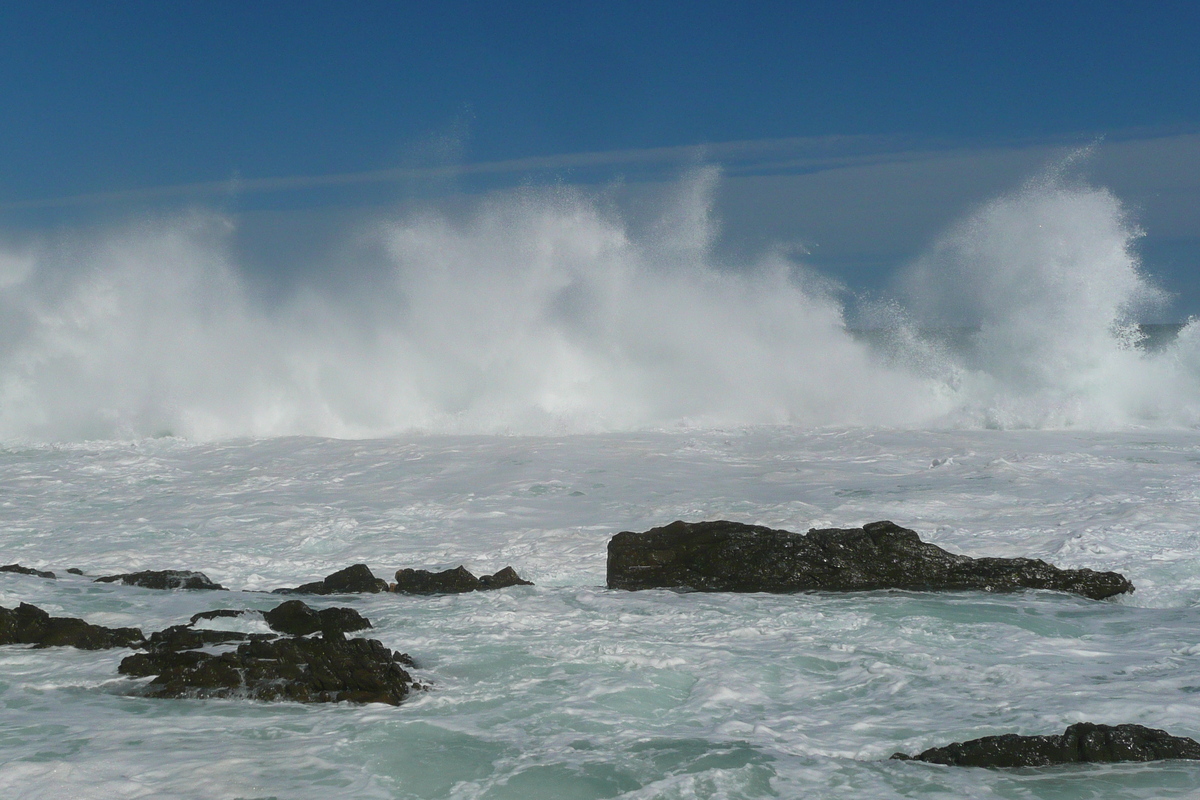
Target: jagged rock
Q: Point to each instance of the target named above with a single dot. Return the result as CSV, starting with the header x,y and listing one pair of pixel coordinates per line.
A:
x,y
296,618
351,580
163,579
17,568
318,670
1083,742
28,624
732,557
185,637
503,579
454,581
221,612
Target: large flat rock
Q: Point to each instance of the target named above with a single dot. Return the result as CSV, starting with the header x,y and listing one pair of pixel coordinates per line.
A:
x,y
723,556
1081,743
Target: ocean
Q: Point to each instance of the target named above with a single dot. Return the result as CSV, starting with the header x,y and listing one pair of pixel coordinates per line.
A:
x,y
515,387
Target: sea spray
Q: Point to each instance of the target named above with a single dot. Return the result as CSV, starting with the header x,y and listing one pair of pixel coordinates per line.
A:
x,y
542,311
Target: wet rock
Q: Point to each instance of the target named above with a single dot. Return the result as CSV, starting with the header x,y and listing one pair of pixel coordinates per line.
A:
x,y
732,557
297,619
163,579
454,581
503,579
351,580
1083,742
218,614
185,637
28,624
75,571
17,568
317,670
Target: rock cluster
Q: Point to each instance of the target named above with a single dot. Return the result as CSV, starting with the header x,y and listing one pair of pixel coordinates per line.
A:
x,y
163,579
454,581
17,568
726,556
294,667
27,624
1083,742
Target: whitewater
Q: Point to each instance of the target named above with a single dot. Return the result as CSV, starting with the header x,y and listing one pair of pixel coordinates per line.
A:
x,y
514,385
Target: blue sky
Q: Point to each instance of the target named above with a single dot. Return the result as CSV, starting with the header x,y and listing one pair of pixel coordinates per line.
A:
x,y
314,107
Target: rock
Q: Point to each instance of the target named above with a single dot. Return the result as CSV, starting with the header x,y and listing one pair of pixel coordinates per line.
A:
x,y
1083,742
28,624
222,612
185,637
296,618
317,670
732,557
17,568
503,579
164,579
351,580
75,571
454,581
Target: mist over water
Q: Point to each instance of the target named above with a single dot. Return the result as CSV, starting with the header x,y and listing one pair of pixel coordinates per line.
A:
x,y
544,312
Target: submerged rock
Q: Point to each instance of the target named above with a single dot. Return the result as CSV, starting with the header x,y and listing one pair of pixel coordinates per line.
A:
x,y
28,624
219,613
1083,742
351,580
725,556
454,581
163,579
318,670
17,568
297,619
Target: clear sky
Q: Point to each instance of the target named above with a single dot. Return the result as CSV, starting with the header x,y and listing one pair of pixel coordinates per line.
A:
x,y
931,106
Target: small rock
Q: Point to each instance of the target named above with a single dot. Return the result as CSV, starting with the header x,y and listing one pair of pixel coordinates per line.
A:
x,y
1083,742
222,612
185,637
453,581
726,556
27,624
163,579
75,571
17,568
297,619
351,580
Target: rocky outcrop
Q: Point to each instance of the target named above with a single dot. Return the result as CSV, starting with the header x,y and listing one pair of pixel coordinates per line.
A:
x,y
305,670
28,624
454,581
163,579
356,579
732,557
1082,742
17,568
185,637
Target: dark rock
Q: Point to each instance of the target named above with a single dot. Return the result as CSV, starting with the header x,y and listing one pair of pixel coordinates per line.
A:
x,y
163,579
26,571
297,619
319,670
351,580
503,579
185,637
450,581
454,581
221,612
732,557
1083,742
28,624
75,571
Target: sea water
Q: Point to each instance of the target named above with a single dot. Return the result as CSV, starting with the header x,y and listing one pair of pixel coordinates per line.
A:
x,y
515,385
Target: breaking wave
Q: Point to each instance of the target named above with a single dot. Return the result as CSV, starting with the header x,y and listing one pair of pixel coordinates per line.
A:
x,y
543,312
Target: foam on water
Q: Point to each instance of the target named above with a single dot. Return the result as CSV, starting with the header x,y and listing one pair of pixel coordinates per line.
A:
x,y
566,689
543,312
